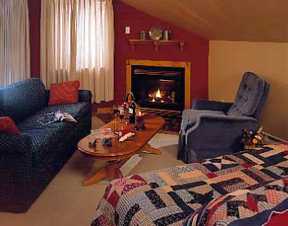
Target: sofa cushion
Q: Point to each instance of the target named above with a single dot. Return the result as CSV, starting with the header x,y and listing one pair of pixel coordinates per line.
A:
x,y
22,99
43,118
64,93
77,110
248,96
46,142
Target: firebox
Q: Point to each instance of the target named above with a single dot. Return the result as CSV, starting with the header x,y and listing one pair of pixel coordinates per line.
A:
x,y
158,86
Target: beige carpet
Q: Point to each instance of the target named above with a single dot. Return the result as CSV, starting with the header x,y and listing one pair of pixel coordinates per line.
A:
x,y
65,202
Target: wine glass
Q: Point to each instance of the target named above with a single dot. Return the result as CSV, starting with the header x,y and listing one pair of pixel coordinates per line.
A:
x,y
115,113
121,113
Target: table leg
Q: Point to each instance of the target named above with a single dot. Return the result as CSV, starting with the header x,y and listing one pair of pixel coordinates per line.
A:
x,y
150,150
110,171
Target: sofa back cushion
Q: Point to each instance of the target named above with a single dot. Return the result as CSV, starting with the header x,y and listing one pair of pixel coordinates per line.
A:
x,y
22,99
249,96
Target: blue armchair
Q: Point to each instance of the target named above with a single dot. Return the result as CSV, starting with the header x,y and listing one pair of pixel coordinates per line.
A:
x,y
214,128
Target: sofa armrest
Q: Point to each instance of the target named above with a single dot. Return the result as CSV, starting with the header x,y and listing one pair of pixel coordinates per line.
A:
x,y
85,96
211,105
16,172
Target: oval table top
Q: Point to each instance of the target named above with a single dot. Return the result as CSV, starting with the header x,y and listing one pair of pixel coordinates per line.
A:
x,y
122,150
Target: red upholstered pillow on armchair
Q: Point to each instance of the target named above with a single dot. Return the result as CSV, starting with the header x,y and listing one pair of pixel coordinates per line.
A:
x,y
64,93
7,125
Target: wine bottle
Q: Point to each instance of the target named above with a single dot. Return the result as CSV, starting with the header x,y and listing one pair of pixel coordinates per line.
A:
x,y
132,112
131,107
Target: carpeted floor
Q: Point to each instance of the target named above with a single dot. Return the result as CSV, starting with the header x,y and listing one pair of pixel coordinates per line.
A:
x,y
65,202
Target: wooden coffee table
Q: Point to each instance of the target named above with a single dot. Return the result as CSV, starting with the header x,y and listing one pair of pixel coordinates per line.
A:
x,y
119,153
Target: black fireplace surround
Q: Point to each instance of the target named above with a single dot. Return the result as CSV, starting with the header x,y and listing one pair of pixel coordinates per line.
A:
x,y
158,87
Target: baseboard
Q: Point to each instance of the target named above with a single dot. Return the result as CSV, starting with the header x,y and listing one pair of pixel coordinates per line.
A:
x,y
269,135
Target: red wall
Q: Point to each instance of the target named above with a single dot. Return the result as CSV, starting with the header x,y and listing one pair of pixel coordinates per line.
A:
x,y
34,20
195,50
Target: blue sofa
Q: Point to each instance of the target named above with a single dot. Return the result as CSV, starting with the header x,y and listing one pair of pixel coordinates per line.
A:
x,y
214,128
29,161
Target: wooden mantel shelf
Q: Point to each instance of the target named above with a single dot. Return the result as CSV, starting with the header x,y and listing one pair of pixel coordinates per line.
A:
x,y
156,44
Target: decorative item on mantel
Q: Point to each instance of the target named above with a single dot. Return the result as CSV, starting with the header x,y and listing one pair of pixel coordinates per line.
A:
x,y
158,37
142,35
166,35
155,33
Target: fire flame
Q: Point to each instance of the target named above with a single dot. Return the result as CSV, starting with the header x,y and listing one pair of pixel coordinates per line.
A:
x,y
158,94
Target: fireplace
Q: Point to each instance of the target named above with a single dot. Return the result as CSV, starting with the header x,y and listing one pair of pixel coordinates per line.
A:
x,y
158,87
159,84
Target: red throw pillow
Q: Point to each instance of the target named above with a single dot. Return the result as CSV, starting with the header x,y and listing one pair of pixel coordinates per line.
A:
x,y
64,93
7,125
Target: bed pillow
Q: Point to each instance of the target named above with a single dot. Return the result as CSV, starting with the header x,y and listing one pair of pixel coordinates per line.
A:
x,y
64,93
8,126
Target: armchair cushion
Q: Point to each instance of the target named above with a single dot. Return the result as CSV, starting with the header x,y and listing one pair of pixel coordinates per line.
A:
x,y
248,96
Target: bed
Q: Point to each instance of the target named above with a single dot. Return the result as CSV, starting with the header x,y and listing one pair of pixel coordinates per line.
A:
x,y
249,186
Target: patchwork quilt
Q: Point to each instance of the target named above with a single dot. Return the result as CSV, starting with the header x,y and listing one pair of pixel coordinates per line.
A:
x,y
219,191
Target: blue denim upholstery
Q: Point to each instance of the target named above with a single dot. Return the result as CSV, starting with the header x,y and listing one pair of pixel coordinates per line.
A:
x,y
248,96
28,162
22,99
38,120
214,128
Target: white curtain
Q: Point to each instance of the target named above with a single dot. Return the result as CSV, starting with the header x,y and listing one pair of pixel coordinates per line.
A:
x,y
77,42
14,41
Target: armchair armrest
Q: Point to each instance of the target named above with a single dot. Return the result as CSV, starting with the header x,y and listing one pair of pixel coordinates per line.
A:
x,y
222,122
228,118
85,96
217,135
211,105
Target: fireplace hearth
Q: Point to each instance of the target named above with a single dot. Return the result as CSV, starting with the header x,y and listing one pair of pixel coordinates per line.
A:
x,y
158,87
